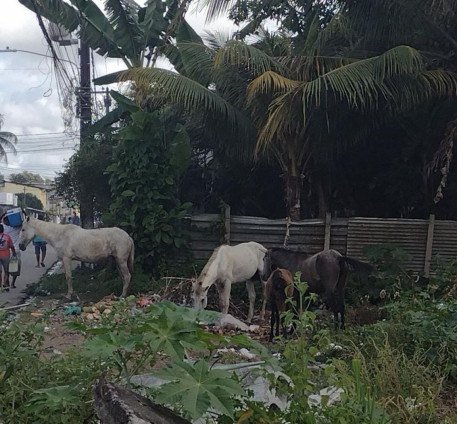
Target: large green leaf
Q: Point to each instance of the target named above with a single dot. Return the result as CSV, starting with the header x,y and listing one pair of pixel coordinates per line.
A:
x,y
55,11
152,22
97,30
197,389
170,334
123,16
125,106
94,27
104,345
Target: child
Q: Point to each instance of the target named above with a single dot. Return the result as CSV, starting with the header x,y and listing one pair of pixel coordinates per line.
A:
x,y
40,246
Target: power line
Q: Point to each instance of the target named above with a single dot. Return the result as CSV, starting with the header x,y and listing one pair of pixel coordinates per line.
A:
x,y
46,149
44,133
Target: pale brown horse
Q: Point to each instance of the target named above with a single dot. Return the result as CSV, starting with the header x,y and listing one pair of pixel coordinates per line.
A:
x,y
75,243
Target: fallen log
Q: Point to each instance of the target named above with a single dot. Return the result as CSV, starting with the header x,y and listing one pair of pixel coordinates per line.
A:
x,y
118,405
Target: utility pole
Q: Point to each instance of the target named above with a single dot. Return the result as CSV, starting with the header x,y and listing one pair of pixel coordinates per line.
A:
x,y
85,110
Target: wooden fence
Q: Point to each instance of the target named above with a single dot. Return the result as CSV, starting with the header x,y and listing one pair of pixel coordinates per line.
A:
x,y
421,239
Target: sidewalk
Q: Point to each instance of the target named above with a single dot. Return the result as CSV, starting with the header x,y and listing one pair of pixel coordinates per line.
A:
x,y
29,274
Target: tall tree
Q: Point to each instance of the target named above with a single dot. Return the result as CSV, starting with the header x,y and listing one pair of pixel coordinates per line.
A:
x,y
29,200
297,95
26,177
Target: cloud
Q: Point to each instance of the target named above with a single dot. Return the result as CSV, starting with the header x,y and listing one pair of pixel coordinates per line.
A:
x,y
29,96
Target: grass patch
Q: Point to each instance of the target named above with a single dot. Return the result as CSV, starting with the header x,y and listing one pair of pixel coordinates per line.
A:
x,y
93,284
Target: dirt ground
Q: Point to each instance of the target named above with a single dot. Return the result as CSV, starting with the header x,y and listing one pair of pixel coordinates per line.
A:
x,y
59,338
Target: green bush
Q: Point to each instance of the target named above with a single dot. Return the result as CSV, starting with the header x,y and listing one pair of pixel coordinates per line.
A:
x,y
152,153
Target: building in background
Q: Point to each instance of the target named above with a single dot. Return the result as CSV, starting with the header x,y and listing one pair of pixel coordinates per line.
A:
x,y
9,189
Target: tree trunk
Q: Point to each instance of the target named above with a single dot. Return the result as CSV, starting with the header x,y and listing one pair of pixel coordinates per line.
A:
x,y
87,212
117,405
294,186
322,199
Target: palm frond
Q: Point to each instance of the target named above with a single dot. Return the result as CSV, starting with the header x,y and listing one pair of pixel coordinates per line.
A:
x,y
284,122
183,91
393,22
306,68
244,56
7,141
197,61
217,7
439,82
270,83
361,83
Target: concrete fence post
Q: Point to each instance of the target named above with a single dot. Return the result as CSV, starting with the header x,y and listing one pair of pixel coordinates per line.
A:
x,y
328,228
429,245
227,224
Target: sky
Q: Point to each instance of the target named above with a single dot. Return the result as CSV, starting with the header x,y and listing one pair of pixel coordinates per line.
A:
x,y
30,100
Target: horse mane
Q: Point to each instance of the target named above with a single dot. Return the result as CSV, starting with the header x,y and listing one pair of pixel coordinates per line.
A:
x,y
210,260
290,250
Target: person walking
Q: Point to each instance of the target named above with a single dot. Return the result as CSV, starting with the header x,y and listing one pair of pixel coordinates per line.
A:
x,y
75,219
40,248
14,233
6,244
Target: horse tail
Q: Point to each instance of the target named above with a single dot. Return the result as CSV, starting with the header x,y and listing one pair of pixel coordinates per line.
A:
x,y
353,264
131,256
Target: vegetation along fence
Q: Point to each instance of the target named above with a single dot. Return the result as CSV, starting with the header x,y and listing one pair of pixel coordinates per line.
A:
x,y
420,238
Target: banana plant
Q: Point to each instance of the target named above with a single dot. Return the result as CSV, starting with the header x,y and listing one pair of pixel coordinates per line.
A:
x,y
124,29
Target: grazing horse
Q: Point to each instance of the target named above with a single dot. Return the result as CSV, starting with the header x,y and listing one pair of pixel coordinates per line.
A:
x,y
74,243
228,265
279,288
324,272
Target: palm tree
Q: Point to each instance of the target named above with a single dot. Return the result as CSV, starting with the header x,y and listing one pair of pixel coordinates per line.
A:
x,y
7,141
429,26
295,97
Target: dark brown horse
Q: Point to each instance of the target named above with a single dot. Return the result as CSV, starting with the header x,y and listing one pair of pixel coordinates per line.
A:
x,y
325,272
279,288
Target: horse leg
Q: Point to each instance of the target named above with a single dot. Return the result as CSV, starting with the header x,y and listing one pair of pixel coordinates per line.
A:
x,y
251,293
125,274
340,306
278,317
272,321
224,295
331,304
264,300
67,267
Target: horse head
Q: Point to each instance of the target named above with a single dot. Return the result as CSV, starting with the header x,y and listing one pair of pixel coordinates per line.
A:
x,y
199,294
27,233
267,266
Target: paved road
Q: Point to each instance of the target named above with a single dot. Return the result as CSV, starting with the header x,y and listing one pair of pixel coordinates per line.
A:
x,y
29,274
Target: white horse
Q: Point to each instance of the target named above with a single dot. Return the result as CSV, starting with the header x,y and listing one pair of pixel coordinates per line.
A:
x,y
227,265
74,243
